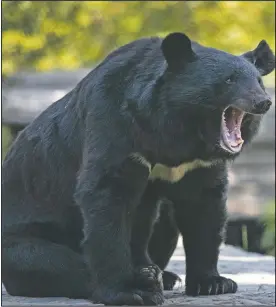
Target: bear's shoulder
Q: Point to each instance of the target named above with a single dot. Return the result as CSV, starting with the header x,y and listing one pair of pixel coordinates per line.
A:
x,y
135,51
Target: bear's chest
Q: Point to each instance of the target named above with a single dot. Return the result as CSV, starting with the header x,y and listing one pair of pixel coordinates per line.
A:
x,y
170,174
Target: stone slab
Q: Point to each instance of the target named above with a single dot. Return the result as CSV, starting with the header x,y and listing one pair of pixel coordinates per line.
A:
x,y
254,273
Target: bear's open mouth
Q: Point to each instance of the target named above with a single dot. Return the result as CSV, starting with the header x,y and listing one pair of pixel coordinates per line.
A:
x,y
231,121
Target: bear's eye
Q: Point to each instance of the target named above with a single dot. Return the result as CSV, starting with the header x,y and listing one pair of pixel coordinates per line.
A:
x,y
260,81
230,80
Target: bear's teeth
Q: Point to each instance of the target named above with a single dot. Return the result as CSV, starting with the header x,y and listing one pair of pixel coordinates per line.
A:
x,y
223,117
225,126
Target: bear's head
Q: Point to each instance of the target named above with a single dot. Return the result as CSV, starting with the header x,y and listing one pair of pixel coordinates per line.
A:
x,y
218,97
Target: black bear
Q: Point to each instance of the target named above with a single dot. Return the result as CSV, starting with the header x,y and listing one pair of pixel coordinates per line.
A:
x,y
93,190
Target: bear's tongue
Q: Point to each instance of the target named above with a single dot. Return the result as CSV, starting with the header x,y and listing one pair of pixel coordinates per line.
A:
x,y
231,124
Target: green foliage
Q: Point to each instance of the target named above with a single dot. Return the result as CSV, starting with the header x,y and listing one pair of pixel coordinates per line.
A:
x,y
268,241
49,35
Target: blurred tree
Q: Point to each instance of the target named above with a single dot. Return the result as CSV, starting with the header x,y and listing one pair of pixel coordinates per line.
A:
x,y
48,35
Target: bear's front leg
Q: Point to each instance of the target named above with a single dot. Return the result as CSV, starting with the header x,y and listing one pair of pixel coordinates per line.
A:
x,y
201,221
108,199
148,275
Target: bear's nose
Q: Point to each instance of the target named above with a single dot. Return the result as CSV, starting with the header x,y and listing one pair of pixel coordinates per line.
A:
x,y
263,106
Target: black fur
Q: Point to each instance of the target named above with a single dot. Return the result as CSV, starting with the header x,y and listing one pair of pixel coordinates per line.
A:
x,y
80,217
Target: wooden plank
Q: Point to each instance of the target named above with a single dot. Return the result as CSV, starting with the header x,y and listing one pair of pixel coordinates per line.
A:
x,y
52,79
26,95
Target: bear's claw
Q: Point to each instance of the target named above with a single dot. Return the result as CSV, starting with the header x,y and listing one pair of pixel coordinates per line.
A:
x,y
211,285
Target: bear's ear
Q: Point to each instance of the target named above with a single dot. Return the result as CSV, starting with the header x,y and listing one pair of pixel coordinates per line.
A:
x,y
262,57
176,48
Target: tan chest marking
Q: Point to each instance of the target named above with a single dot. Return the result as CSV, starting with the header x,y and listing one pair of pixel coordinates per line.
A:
x,y
170,174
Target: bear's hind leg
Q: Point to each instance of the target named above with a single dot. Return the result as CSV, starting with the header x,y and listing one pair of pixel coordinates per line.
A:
x,y
34,267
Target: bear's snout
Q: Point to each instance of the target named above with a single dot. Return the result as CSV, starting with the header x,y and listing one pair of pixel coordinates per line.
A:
x,y
254,104
262,106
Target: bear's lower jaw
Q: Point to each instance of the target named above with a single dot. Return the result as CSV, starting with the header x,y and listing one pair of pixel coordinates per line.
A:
x,y
231,121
